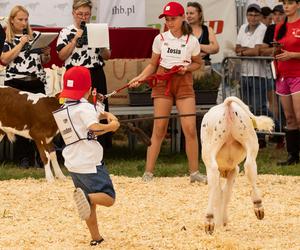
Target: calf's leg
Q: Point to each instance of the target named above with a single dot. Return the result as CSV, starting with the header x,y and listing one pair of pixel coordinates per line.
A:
x,y
214,188
251,173
45,157
58,173
227,192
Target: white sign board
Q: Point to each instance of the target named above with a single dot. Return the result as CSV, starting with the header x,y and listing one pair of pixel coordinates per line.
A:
x,y
98,35
122,13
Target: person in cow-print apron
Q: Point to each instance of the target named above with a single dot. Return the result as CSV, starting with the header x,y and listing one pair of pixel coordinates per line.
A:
x,y
176,47
24,70
72,48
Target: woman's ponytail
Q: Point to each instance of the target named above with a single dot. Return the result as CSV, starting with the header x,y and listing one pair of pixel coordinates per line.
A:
x,y
186,28
282,30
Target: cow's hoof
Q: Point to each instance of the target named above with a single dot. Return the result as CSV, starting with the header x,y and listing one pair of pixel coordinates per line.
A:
x,y
259,210
61,177
50,179
209,224
209,228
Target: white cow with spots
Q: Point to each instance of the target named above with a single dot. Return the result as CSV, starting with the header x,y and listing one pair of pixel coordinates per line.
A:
x,y
228,137
30,115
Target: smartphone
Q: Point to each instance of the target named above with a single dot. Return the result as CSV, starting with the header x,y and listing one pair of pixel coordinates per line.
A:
x,y
277,48
276,44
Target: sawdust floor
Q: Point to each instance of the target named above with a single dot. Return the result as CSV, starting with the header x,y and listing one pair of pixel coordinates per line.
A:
x,y
166,213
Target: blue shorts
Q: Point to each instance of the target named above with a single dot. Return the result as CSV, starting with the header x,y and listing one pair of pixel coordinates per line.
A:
x,y
99,182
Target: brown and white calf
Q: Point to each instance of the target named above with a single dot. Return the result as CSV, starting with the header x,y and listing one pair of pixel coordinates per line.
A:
x,y
30,115
228,137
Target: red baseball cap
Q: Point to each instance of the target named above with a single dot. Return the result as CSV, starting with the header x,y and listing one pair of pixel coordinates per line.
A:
x,y
172,9
77,81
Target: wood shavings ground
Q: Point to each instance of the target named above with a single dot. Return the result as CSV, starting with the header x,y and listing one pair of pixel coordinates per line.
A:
x,y
167,213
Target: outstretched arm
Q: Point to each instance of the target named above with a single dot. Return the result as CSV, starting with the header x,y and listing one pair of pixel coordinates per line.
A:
x,y
150,69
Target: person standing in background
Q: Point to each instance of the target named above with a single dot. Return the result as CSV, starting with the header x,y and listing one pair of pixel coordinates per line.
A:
x,y
254,79
278,14
267,49
206,36
24,70
288,77
72,48
176,47
267,15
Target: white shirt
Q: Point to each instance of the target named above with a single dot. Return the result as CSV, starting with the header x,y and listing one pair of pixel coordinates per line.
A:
x,y
84,155
248,39
175,51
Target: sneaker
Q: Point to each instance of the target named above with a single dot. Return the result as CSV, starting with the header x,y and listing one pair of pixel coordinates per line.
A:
x,y
147,176
82,204
96,242
196,176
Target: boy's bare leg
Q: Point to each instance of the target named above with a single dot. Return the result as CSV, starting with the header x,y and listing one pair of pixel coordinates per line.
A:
x,y
101,199
93,224
97,199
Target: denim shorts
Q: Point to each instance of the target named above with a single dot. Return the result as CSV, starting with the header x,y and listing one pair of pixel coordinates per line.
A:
x,y
99,182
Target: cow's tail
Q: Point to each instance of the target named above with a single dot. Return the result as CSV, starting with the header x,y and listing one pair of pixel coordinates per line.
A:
x,y
262,123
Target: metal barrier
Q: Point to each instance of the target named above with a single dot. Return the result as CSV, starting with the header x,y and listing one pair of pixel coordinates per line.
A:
x,y
250,79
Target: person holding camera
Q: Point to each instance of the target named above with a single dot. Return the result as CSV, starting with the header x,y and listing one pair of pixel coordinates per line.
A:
x,y
24,70
73,49
287,56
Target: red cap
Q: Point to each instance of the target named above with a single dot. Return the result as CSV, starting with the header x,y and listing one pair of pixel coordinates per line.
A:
x,y
172,9
77,81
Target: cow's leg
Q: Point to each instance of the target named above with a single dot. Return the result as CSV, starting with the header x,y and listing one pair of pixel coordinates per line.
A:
x,y
214,189
251,173
45,157
2,134
58,173
227,192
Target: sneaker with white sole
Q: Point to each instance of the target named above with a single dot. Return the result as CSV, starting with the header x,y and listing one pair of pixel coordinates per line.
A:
x,y
196,176
82,203
147,176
